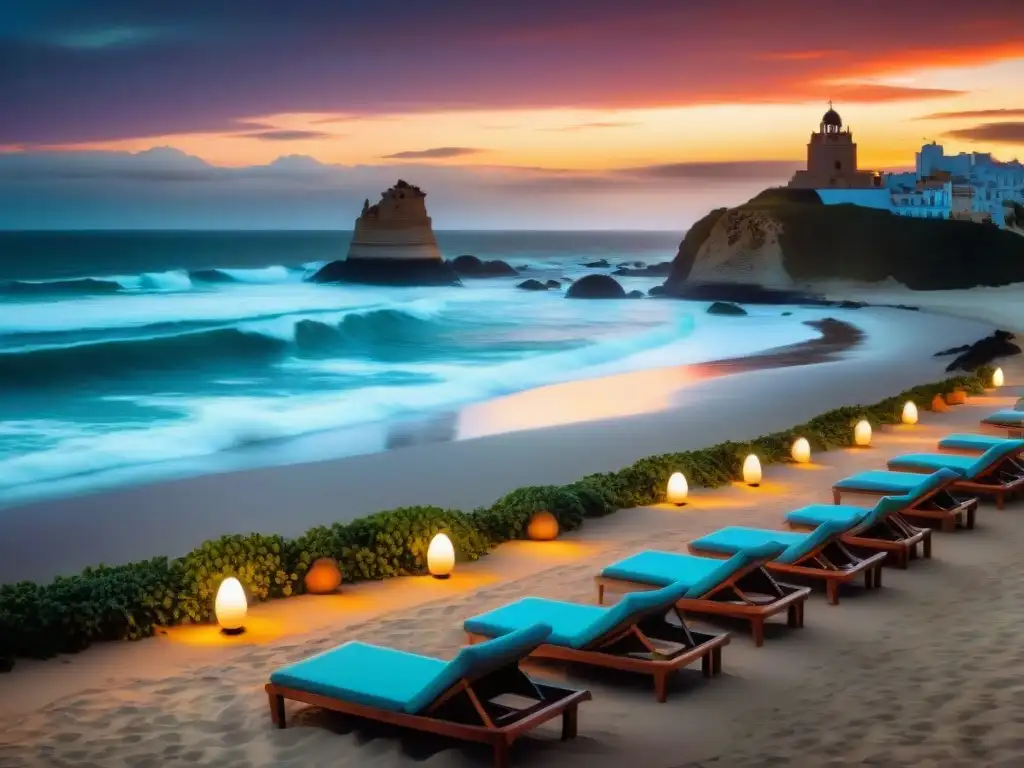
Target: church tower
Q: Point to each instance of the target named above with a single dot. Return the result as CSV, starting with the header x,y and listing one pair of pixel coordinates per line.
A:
x,y
832,159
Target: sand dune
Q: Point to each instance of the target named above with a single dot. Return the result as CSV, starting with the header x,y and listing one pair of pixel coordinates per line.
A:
x,y
924,672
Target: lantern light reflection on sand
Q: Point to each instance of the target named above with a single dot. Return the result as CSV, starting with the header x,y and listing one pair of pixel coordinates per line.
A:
x,y
678,489
752,471
801,450
910,413
440,556
230,606
997,377
862,433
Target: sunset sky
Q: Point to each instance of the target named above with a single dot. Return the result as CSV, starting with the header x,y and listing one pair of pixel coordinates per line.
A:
x,y
638,114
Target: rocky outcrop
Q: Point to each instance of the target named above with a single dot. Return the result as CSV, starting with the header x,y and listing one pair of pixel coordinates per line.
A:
x,y
970,357
471,266
653,270
635,295
393,243
595,287
599,264
537,285
726,308
785,239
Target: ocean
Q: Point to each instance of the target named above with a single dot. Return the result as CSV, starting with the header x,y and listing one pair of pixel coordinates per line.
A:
x,y
127,356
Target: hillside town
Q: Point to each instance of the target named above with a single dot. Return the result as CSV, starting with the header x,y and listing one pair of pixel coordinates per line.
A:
x,y
969,185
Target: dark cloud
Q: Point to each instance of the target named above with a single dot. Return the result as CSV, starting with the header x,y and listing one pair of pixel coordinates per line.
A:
x,y
706,171
436,153
284,135
73,71
1000,133
973,113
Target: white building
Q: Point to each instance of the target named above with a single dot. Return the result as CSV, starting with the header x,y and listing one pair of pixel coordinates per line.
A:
x,y
928,200
993,182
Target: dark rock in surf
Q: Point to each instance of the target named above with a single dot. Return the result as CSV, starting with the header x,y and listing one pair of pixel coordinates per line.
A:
x,y
595,287
726,308
471,266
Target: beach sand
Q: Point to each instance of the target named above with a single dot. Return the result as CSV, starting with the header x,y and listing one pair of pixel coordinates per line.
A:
x,y
924,672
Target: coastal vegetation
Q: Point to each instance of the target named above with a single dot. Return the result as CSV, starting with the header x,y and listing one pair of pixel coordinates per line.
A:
x,y
850,242
129,602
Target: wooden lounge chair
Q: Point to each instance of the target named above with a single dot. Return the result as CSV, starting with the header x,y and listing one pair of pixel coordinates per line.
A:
x,y
881,528
738,588
818,555
939,506
634,635
974,444
998,472
1010,420
481,695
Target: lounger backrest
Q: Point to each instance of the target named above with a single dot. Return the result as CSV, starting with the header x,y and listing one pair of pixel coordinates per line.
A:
x,y
814,540
742,559
635,606
475,661
994,455
929,483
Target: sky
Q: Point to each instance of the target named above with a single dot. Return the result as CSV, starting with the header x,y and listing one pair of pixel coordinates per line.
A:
x,y
561,114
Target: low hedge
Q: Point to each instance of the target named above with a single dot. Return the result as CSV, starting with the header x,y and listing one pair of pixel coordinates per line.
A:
x,y
129,602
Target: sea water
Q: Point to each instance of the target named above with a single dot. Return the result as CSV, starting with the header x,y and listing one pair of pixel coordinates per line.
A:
x,y
142,349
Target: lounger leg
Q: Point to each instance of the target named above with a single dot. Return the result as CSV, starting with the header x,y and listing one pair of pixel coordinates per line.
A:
x,y
832,591
1000,500
501,754
661,686
716,661
878,577
600,594
757,627
793,618
926,544
707,665
836,495
970,517
569,722
277,709
948,524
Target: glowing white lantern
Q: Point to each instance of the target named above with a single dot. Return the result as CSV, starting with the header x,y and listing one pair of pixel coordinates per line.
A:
x,y
440,557
752,470
230,606
801,450
678,489
862,433
997,377
910,413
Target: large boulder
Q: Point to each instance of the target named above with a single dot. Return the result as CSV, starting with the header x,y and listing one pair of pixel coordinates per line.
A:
x,y
403,272
471,266
595,287
532,285
784,239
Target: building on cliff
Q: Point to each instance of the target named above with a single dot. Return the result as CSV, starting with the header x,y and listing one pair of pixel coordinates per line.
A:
x,y
832,159
994,183
393,243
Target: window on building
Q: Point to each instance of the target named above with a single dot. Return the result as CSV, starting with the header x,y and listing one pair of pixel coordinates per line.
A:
x,y
839,166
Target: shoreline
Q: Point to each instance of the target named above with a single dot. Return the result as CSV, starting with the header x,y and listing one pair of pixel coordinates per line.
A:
x,y
172,517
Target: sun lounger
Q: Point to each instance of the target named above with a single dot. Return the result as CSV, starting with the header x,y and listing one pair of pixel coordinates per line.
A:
x,y
997,472
633,635
1010,420
819,555
481,695
883,528
738,588
972,443
939,506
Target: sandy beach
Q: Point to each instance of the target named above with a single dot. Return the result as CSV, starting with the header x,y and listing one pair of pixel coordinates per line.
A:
x,y
924,672
553,434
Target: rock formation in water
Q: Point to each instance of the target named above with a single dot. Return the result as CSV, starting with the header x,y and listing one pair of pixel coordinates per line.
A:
x,y
970,357
471,266
393,244
775,246
596,287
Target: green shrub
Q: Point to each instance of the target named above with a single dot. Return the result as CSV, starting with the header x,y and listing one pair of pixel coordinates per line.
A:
x,y
129,602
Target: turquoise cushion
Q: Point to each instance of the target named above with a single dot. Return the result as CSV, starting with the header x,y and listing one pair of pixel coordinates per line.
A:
x,y
702,574
574,625
798,545
816,514
967,442
932,462
880,481
1007,418
386,678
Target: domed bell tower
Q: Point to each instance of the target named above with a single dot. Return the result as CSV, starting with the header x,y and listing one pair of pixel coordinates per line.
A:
x,y
832,153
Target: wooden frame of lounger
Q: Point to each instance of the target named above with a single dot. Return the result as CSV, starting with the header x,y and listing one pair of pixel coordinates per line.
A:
x,y
634,648
1015,433
750,594
894,535
467,711
960,513
841,567
1006,483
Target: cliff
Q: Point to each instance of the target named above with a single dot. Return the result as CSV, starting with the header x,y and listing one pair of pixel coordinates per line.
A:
x,y
784,239
392,243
